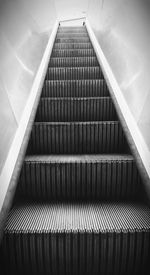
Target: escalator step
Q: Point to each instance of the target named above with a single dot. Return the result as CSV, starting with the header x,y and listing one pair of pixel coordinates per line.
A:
x,y
73,62
77,138
71,34
75,73
62,46
75,88
111,216
105,238
73,53
76,109
73,40
72,29
95,177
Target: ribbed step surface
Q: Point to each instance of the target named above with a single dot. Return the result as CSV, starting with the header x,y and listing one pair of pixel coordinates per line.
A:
x,y
75,88
61,217
73,40
72,29
77,138
101,177
105,238
73,53
71,35
74,73
73,62
76,109
62,46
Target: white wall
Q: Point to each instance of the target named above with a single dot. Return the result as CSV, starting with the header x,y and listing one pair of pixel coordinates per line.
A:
x,y
122,28
67,9
25,26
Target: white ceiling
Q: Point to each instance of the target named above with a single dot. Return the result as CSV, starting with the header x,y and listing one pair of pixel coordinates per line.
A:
x,y
67,9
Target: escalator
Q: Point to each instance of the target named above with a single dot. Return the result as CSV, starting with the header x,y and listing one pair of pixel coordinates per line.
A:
x,y
80,206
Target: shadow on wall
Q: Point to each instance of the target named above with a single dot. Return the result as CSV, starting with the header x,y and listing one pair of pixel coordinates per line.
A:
x,y
25,26
122,28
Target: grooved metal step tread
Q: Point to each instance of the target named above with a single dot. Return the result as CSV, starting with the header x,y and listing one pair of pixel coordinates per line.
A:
x,y
76,109
78,240
73,53
72,32
77,138
74,73
72,46
72,40
71,35
72,29
75,88
85,177
73,62
79,158
104,238
73,217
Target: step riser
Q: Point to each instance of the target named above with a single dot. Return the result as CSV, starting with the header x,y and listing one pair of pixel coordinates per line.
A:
x,y
92,109
76,138
85,253
82,88
73,53
99,180
74,73
74,62
61,46
73,40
